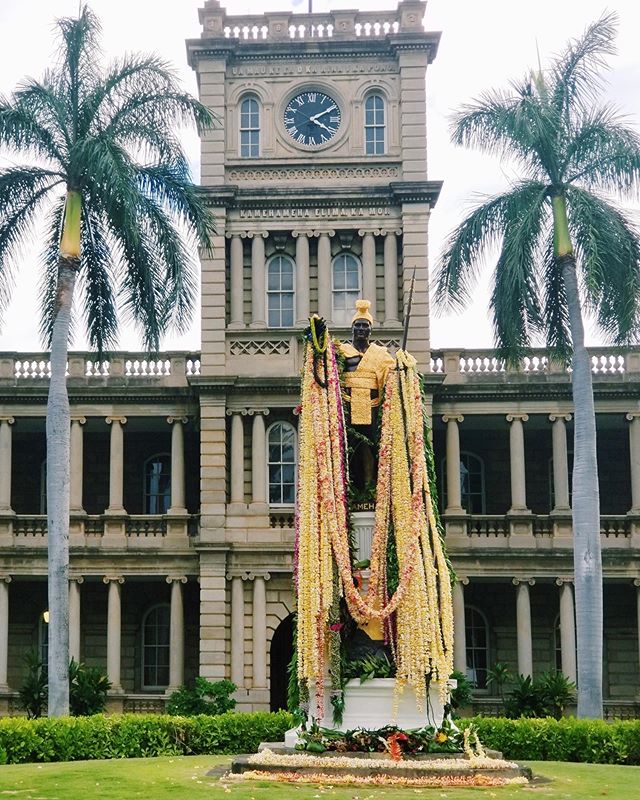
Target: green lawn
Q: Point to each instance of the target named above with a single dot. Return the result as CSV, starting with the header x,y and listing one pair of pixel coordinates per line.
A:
x,y
185,777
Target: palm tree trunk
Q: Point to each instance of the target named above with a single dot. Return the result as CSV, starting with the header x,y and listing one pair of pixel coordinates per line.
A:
x,y
58,450
587,557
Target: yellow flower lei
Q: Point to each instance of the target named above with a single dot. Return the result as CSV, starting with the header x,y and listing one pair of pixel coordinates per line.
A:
x,y
422,601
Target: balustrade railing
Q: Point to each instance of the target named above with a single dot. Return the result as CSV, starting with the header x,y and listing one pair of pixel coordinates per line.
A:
x,y
460,365
347,24
612,526
33,527
34,368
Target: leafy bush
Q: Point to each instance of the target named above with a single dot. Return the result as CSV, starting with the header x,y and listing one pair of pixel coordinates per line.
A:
x,y
188,701
462,695
567,739
546,696
497,676
33,693
88,687
137,736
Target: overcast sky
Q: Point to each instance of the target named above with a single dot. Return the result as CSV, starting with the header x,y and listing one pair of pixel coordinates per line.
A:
x,y
484,44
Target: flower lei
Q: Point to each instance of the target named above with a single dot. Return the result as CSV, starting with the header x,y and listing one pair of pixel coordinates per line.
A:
x,y
422,638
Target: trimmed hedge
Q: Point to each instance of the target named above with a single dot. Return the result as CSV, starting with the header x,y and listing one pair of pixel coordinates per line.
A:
x,y
137,735
567,739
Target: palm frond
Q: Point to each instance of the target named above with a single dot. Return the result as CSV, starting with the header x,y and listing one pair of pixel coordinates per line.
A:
x,y
32,123
604,154
466,247
22,193
575,75
556,315
515,301
607,245
96,284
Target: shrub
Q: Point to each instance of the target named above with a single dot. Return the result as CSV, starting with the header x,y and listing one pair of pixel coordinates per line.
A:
x,y
546,696
462,695
188,701
88,687
137,736
567,739
34,691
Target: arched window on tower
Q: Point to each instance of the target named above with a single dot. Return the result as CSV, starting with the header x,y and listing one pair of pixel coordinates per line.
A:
x,y
472,489
249,128
346,285
477,638
280,292
281,466
157,484
374,125
155,647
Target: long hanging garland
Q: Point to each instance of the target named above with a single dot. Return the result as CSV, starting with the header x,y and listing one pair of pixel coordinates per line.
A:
x,y
421,635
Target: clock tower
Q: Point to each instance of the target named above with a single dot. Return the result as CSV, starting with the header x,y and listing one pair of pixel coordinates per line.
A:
x,y
316,172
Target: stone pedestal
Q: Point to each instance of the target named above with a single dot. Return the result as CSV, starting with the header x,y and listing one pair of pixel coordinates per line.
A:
x,y
370,705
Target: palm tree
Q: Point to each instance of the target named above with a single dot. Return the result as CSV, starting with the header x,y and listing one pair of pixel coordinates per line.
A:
x,y
107,171
563,247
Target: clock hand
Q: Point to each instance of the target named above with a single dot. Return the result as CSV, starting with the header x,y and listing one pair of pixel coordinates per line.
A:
x,y
314,118
322,125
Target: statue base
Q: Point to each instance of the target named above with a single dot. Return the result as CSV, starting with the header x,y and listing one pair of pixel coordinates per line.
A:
x,y
370,705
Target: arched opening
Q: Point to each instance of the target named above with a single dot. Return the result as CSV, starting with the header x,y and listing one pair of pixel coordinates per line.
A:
x,y
281,653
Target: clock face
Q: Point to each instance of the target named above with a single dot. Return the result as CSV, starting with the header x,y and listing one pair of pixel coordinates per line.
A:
x,y
312,118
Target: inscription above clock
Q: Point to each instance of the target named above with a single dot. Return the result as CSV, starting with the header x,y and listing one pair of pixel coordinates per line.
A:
x,y
312,118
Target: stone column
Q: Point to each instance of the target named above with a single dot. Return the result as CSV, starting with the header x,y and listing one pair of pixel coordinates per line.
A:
x,y
369,269
523,626
567,629
237,630
258,285
114,631
116,465
260,631
176,634
324,275
454,494
237,457
5,463
74,618
302,277
391,279
516,450
634,455
5,580
76,458
236,283
259,458
560,463
178,505
459,627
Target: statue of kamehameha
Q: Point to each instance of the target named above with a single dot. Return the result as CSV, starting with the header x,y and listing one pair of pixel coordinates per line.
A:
x,y
361,386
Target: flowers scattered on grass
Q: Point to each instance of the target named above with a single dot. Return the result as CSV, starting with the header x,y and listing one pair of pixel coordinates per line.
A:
x,y
428,781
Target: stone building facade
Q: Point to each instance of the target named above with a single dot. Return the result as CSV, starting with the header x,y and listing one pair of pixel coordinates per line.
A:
x,y
183,465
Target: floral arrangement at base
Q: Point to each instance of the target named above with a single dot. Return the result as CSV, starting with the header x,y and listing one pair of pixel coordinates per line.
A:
x,y
398,744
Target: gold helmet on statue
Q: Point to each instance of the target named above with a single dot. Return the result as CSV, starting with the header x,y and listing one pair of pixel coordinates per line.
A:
x,y
362,311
